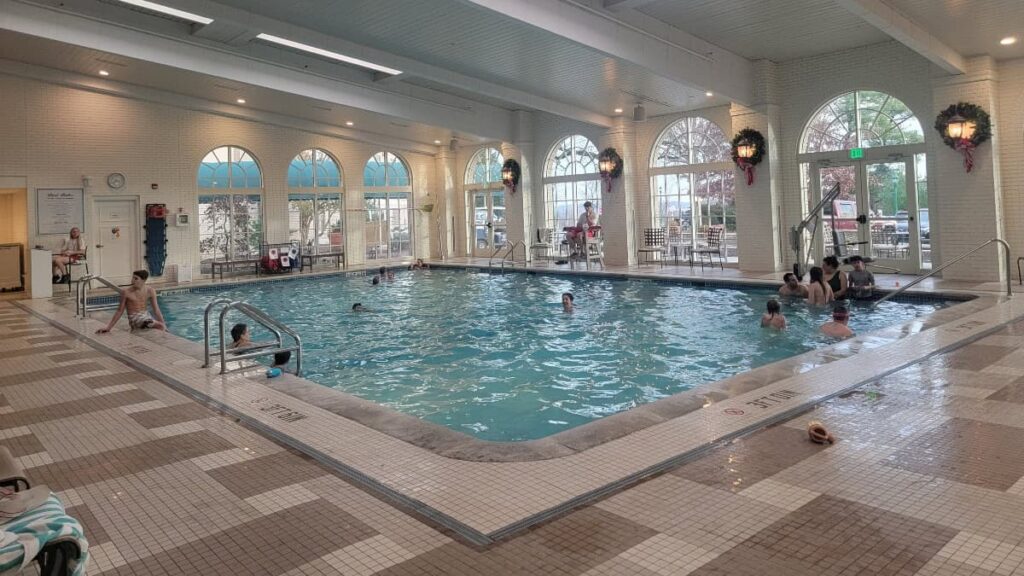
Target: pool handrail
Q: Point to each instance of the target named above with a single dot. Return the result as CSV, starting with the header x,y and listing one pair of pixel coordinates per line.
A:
x,y
267,322
922,277
510,256
490,262
206,328
82,293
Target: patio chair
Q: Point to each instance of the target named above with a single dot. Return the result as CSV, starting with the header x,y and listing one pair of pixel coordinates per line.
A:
x,y
676,243
544,245
593,247
712,246
654,243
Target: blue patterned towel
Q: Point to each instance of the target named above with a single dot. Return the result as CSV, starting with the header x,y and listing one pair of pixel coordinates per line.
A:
x,y
37,528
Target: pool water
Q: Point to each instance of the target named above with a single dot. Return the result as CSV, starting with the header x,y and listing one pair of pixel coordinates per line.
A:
x,y
495,357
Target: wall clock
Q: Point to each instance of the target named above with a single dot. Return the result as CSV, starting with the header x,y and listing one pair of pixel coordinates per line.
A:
x,y
116,180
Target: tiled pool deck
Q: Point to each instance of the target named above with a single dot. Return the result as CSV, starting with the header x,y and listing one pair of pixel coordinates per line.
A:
x,y
926,478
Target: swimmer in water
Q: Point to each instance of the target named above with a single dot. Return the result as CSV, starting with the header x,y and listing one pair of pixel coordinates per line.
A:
x,y
567,301
773,318
358,307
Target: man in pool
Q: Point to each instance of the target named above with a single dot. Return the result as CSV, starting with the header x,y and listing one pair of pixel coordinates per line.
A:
x,y
862,282
837,328
134,300
375,281
792,286
567,301
386,274
358,307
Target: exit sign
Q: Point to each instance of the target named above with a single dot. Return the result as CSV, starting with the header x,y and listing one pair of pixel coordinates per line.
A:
x,y
856,153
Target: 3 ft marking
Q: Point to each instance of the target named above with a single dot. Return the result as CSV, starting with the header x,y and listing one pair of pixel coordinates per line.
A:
x,y
773,399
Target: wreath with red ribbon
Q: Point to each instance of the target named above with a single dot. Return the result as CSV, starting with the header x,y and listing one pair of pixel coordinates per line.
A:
x,y
749,137
510,174
610,155
982,129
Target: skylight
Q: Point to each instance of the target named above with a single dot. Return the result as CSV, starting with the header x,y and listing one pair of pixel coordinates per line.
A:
x,y
327,54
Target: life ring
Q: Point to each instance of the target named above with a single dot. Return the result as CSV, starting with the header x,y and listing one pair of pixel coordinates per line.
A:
x,y
293,253
272,253
818,434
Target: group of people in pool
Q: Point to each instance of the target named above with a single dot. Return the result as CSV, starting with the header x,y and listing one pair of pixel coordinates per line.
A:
x,y
385,275
828,285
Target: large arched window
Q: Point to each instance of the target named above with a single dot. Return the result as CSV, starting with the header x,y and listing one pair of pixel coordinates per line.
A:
x,y
570,179
871,145
388,198
230,208
485,201
315,203
861,119
692,182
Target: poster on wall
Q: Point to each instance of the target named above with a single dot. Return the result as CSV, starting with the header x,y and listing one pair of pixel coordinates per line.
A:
x,y
59,210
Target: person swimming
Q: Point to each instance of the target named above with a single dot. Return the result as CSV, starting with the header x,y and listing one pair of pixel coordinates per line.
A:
x,y
567,301
358,307
773,318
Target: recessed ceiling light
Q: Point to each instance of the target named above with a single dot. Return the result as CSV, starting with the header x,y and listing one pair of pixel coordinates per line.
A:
x,y
104,73
169,11
350,123
618,110
240,100
709,94
327,53
1008,40
437,141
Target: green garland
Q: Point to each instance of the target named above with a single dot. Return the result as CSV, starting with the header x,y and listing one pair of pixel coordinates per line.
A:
x,y
749,136
967,111
613,155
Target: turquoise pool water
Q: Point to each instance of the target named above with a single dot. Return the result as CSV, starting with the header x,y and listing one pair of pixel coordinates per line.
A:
x,y
494,356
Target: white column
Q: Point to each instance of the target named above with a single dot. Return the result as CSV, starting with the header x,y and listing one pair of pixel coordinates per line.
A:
x,y
444,204
967,206
618,218
518,206
760,243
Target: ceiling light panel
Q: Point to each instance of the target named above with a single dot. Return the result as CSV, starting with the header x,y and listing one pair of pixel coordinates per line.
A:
x,y
153,6
326,53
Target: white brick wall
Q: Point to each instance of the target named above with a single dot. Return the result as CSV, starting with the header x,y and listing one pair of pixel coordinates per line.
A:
x,y
54,135
1010,127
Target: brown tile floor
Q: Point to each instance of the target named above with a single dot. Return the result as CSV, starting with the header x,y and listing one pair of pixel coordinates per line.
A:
x,y
927,478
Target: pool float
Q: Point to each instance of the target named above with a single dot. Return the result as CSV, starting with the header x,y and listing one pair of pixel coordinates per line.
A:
x,y
818,433
273,373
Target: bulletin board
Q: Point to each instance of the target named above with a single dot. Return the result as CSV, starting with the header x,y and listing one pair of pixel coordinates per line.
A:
x,y
58,210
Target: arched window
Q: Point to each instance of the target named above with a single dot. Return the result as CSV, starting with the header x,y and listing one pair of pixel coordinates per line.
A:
x,y
881,210
485,201
231,219
385,169
861,119
389,210
570,179
315,206
692,184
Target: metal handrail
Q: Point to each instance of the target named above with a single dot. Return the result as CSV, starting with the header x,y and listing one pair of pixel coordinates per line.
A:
x,y
206,328
82,292
512,254
921,278
490,262
267,322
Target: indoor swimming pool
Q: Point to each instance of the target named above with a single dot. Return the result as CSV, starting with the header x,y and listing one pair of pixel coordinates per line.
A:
x,y
495,357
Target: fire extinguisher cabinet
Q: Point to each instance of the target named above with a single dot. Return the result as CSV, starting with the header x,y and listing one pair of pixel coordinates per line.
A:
x,y
156,238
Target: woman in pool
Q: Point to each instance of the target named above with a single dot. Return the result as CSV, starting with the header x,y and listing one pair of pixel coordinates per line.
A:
x,y
818,292
834,277
567,300
241,340
773,318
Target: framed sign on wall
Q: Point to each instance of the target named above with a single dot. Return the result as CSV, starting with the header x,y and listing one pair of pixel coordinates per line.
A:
x,y
58,210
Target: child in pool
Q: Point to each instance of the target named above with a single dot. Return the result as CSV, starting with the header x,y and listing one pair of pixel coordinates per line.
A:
x,y
773,318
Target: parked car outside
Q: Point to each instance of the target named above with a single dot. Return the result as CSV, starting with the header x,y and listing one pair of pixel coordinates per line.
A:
x,y
903,223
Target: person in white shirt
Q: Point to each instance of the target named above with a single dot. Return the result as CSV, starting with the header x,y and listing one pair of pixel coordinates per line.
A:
x,y
586,221
72,249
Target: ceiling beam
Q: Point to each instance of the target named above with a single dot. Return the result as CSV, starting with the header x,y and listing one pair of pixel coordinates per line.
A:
x,y
616,5
479,119
685,59
409,66
907,32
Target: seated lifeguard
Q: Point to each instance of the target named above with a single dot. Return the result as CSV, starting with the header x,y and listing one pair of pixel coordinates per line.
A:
x,y
585,224
72,249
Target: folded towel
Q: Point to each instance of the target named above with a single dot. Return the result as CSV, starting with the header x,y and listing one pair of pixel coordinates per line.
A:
x,y
36,528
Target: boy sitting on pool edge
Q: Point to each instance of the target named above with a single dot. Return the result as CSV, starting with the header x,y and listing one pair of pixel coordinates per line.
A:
x,y
134,300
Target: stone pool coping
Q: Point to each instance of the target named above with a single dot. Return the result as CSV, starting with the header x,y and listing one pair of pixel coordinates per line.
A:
x,y
452,443
486,501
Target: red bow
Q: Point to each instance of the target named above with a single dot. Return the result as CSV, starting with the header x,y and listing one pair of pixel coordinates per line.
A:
x,y
966,147
748,169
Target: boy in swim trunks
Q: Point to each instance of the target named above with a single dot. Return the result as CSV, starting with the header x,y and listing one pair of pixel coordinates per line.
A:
x,y
133,301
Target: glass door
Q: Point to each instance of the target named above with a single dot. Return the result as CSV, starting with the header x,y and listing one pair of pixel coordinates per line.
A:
x,y
388,226
894,237
874,214
489,227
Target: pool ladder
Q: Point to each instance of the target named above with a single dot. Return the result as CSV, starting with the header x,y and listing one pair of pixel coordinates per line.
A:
x,y
510,255
82,307
256,350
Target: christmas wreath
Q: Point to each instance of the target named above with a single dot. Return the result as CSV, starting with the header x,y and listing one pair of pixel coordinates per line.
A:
x,y
754,144
610,165
511,172
964,112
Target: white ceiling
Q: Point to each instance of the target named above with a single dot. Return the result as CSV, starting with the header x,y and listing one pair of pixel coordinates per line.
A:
x,y
971,27
68,58
777,30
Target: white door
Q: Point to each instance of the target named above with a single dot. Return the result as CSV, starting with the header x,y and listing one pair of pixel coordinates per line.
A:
x,y
115,239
